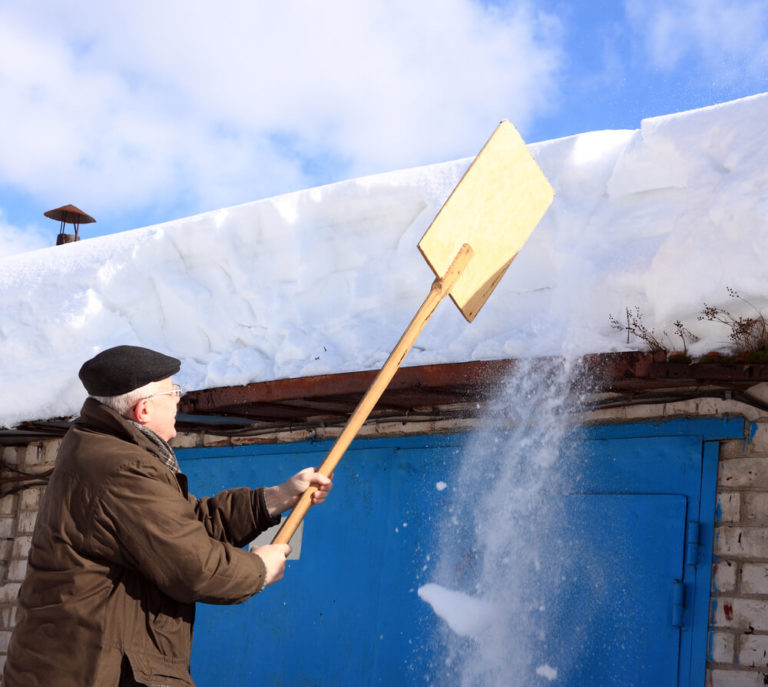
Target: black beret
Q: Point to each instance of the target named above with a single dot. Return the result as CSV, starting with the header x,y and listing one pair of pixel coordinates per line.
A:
x,y
122,369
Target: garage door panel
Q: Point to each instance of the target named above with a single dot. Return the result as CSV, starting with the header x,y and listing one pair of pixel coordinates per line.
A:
x,y
610,618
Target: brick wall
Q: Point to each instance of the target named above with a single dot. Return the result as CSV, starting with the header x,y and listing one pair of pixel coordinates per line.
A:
x,y
738,640
738,637
17,520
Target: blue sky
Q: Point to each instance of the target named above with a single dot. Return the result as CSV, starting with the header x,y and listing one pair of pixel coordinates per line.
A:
x,y
151,110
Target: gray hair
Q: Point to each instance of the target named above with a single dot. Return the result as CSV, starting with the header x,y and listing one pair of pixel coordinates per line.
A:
x,y
124,403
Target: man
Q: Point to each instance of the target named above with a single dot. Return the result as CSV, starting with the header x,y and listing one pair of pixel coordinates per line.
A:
x,y
121,551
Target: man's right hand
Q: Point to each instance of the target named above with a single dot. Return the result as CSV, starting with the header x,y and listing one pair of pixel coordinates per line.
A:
x,y
274,556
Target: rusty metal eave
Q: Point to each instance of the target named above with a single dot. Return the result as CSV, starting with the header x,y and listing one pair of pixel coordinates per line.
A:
x,y
436,391
332,398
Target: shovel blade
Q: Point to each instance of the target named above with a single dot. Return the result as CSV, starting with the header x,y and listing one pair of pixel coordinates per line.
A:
x,y
494,208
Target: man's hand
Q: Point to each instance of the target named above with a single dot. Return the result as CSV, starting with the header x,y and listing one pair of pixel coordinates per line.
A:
x,y
274,556
285,496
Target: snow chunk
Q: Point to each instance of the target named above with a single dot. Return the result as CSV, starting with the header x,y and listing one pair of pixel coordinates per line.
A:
x,y
547,672
465,615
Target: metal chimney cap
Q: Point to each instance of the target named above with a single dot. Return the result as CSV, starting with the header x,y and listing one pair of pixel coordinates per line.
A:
x,y
69,214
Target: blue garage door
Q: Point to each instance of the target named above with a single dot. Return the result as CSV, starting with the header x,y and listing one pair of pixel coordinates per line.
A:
x,y
347,612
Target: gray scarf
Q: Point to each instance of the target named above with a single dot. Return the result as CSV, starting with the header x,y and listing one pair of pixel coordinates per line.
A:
x,y
164,452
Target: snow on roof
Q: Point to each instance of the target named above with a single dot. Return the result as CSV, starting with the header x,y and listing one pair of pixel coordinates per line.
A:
x,y
325,280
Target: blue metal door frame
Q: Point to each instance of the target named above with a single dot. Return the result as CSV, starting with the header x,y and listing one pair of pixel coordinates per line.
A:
x,y
378,519
701,495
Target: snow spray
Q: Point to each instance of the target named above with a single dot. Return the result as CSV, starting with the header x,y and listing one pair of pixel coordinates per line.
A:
x,y
502,570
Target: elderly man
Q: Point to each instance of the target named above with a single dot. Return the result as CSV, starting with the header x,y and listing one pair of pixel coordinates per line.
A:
x,y
121,551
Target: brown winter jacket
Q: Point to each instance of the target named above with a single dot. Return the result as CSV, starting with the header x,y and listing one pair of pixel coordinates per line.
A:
x,y
120,554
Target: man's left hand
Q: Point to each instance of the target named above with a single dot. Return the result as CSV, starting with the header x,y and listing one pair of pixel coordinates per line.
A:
x,y
285,496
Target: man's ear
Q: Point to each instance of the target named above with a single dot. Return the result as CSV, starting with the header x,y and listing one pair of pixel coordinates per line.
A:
x,y
141,412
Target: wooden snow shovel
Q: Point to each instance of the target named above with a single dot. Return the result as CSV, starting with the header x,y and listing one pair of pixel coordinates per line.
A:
x,y
469,245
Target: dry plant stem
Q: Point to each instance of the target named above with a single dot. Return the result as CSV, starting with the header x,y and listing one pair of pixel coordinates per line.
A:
x,y
636,327
748,334
440,288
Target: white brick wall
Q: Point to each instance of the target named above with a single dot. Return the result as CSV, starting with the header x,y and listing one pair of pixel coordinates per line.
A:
x,y
731,678
738,638
17,521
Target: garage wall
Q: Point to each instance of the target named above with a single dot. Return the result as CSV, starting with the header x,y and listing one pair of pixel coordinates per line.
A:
x,y
738,637
738,640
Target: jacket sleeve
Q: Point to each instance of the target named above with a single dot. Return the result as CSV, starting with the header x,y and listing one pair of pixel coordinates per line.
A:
x,y
141,520
235,516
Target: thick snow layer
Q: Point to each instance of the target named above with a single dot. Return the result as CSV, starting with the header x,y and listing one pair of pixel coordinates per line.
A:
x,y
325,280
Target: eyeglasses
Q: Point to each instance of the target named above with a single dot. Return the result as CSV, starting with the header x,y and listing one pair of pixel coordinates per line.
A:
x,y
176,393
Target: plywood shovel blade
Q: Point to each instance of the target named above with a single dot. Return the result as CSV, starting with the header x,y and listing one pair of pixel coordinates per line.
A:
x,y
494,208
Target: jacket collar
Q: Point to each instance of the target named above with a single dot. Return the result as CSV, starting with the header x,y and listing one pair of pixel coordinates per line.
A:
x,y
97,417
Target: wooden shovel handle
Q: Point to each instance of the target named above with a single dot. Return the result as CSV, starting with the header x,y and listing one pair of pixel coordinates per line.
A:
x,y
440,288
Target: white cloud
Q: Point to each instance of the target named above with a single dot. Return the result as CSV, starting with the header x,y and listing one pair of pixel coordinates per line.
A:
x,y
146,103
17,240
728,38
